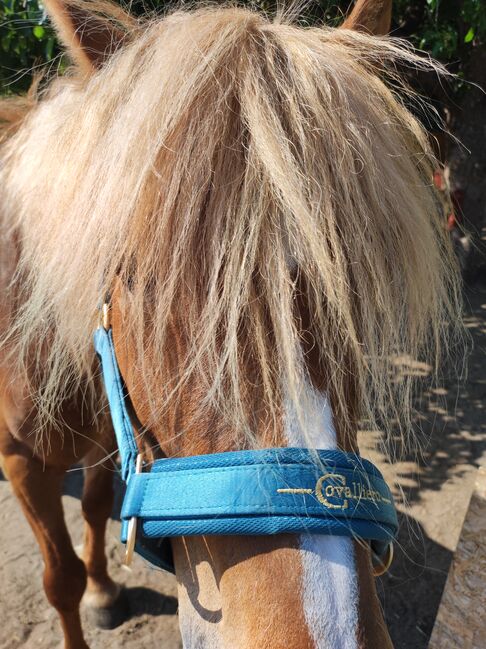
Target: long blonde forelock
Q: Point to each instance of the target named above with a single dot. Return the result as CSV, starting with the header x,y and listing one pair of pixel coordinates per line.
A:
x,y
226,163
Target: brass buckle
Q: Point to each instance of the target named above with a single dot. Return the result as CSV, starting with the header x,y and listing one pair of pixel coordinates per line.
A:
x,y
132,524
381,567
105,316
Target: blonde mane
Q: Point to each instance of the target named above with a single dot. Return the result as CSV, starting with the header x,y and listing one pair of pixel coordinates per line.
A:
x,y
13,111
224,166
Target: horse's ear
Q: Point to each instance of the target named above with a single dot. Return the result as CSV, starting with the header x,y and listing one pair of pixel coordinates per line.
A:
x,y
371,16
91,30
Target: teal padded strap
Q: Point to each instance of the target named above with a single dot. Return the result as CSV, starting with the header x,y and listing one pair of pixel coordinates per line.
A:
x,y
263,492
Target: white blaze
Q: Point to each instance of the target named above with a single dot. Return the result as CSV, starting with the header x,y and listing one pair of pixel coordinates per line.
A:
x,y
330,581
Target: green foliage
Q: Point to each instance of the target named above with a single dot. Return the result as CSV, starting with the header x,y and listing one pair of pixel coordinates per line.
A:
x,y
448,29
26,42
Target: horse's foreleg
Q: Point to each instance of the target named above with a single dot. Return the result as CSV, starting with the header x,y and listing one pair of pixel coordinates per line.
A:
x,y
102,594
39,489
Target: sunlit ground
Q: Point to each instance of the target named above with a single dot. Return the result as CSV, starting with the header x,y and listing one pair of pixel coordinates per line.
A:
x,y
432,486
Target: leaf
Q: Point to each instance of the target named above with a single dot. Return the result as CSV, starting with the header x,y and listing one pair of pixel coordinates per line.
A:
x,y
469,36
39,32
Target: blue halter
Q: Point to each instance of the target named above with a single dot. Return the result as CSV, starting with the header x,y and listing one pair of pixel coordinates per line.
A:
x,y
271,491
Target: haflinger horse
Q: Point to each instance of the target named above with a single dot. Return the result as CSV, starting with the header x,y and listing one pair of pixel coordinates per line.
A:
x,y
253,201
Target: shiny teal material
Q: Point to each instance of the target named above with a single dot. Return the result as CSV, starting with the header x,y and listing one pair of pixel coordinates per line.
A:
x,y
269,491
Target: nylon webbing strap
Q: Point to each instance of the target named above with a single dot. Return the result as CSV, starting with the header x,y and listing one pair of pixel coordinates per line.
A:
x,y
263,492
115,391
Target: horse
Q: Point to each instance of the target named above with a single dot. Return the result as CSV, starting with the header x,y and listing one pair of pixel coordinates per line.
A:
x,y
252,200
36,466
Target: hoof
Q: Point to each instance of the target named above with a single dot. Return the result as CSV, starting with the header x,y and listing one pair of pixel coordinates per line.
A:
x,y
111,616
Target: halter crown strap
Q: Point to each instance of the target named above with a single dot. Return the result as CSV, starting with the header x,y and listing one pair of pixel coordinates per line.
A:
x,y
115,391
266,491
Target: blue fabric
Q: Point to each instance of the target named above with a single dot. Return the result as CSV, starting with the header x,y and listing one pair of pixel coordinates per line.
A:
x,y
269,491
251,492
115,391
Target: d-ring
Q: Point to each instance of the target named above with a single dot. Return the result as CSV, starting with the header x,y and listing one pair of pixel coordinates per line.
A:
x,y
382,566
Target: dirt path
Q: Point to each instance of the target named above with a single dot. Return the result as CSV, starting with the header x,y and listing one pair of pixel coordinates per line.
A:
x,y
437,487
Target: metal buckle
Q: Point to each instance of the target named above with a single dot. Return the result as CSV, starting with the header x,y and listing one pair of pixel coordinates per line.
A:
x,y
132,523
105,316
382,566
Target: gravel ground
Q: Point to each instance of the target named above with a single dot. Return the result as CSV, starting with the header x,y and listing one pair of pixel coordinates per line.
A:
x,y
432,490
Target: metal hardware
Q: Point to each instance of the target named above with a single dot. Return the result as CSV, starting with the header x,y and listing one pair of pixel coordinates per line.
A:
x,y
382,566
106,316
132,523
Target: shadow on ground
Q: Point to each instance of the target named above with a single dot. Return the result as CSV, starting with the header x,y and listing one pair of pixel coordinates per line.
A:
x,y
450,423
411,591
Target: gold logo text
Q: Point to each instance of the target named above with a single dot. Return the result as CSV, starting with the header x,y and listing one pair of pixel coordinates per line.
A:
x,y
333,491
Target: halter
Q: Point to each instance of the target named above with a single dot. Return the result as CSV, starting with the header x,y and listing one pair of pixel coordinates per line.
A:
x,y
262,492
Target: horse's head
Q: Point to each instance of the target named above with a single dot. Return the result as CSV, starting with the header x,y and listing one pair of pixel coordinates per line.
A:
x,y
257,203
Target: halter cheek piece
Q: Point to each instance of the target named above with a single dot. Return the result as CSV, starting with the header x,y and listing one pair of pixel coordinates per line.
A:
x,y
264,492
